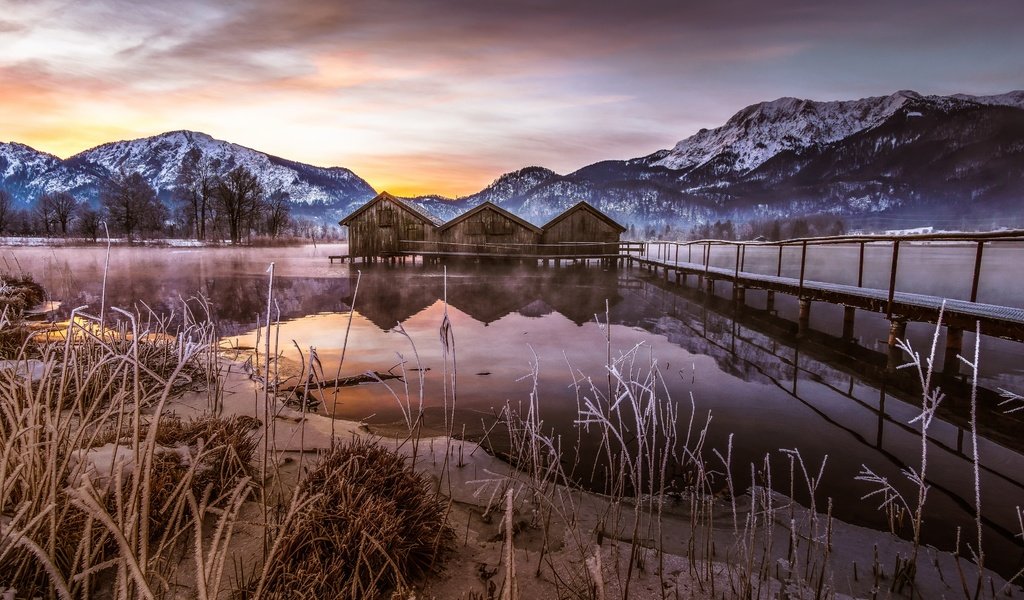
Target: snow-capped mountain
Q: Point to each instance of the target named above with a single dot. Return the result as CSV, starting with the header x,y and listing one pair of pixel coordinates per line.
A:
x,y
907,154
20,165
897,157
761,131
159,159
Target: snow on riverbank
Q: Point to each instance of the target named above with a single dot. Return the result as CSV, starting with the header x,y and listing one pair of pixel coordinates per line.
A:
x,y
858,562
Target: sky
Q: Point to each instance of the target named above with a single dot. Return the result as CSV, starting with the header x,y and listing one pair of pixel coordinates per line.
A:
x,y
443,96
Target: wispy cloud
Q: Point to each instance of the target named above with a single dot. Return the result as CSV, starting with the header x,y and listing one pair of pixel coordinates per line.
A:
x,y
450,93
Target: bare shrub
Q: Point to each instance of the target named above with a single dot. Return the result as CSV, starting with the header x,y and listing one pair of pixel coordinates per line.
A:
x,y
368,524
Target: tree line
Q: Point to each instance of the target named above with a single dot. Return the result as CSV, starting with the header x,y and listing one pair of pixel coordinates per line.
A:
x,y
771,229
727,229
209,204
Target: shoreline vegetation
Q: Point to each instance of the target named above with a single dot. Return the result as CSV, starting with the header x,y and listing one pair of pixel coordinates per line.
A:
x,y
258,242
141,458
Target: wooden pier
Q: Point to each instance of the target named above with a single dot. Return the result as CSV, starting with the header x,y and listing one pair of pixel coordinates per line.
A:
x,y
675,262
426,252
552,254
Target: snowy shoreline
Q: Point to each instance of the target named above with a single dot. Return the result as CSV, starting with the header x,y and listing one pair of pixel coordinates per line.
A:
x,y
859,562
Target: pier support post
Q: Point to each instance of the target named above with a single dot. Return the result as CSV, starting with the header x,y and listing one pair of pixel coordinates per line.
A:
x,y
739,294
769,302
897,331
804,320
954,345
710,285
849,316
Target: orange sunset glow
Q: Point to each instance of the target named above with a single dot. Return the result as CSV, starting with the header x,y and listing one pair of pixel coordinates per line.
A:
x,y
443,97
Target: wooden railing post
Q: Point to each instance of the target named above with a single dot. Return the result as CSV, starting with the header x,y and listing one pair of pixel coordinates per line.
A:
x,y
736,273
860,267
892,277
677,252
954,345
689,253
803,266
707,257
778,271
977,272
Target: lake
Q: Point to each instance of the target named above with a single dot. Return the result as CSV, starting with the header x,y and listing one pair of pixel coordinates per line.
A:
x,y
762,384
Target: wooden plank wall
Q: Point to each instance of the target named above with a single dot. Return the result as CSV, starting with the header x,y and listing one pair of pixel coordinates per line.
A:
x,y
581,226
378,230
492,228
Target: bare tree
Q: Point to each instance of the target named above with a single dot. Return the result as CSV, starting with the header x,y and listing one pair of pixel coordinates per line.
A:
x,y
21,222
196,186
43,214
89,223
6,209
239,196
131,203
277,209
61,207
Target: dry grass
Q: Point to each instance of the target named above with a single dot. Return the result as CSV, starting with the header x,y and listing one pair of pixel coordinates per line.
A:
x,y
18,293
84,508
221,451
224,446
368,524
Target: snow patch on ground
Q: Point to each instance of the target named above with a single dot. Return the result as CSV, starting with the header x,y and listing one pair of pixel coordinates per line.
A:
x,y
31,369
20,241
105,465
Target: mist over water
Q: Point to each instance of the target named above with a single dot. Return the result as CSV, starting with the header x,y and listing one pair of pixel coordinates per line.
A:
x,y
759,382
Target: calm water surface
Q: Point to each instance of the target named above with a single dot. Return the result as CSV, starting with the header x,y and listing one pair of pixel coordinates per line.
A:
x,y
760,383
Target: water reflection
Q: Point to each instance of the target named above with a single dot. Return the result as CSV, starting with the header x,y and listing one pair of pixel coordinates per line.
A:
x,y
864,411
486,293
762,384
771,390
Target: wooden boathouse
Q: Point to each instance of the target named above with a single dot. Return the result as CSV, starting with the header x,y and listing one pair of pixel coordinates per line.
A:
x,y
378,228
488,229
581,228
390,228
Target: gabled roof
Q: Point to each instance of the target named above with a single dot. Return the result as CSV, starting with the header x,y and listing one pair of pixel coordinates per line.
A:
x,y
422,210
584,205
415,209
490,206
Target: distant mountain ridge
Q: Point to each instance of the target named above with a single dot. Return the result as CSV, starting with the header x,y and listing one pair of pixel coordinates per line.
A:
x,y
904,156
27,173
759,132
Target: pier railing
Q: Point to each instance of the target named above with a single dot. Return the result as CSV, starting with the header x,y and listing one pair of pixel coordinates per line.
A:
x,y
700,252
512,249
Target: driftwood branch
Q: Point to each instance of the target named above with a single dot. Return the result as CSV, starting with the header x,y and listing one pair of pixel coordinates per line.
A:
x,y
340,382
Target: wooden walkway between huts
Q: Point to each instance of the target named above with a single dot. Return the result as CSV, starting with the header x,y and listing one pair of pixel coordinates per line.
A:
x,y
608,252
